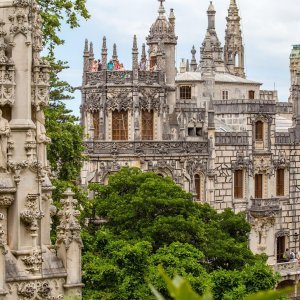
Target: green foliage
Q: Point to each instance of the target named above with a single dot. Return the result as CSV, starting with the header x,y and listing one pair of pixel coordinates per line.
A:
x,y
180,289
57,12
151,221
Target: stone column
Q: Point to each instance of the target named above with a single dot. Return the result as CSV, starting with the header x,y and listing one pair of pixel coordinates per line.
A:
x,y
69,244
2,259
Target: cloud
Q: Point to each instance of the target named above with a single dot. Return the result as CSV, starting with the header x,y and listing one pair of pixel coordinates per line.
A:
x,y
269,29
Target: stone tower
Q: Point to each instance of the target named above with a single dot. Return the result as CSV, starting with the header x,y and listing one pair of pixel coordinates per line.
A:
x,y
211,46
234,48
29,266
294,62
162,42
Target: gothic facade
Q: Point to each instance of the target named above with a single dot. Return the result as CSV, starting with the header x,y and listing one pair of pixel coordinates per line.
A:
x,y
30,266
207,126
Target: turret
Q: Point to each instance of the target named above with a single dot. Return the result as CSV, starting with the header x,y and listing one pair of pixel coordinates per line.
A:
x,y
234,48
86,55
211,46
135,54
115,54
91,55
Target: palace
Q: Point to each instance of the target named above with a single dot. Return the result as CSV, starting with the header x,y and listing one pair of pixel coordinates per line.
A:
x,y
207,126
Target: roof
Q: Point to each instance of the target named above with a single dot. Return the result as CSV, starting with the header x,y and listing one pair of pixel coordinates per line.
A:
x,y
219,77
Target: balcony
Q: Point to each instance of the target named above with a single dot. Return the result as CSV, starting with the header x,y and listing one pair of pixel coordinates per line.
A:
x,y
264,207
145,147
287,268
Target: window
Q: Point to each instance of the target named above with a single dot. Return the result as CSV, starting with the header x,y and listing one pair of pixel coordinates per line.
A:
x,y
197,180
185,92
198,131
119,125
191,131
96,125
251,94
153,62
238,184
258,186
147,125
280,182
259,130
280,248
225,95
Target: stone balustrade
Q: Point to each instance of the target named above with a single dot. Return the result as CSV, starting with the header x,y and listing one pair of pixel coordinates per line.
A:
x,y
122,77
264,207
285,268
145,147
283,138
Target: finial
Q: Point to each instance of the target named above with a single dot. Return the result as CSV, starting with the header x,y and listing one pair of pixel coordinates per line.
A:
x,y
211,8
104,43
115,54
86,45
134,47
161,10
193,60
172,15
91,49
232,2
144,56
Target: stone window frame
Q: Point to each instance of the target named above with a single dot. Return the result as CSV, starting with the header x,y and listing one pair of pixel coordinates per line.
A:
x,y
195,129
225,95
265,144
242,181
251,94
185,92
200,196
143,130
126,130
281,233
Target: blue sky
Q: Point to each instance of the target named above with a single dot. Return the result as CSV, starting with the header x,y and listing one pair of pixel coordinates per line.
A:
x,y
270,28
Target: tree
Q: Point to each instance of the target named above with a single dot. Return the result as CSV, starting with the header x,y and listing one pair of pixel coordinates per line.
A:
x,y
146,211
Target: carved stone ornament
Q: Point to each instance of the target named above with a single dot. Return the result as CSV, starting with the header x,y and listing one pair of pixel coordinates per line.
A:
x,y
33,263
93,100
262,164
194,166
282,162
32,214
68,230
119,99
3,250
241,162
38,290
150,99
6,200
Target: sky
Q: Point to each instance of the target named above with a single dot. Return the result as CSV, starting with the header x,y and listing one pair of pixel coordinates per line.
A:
x,y
270,28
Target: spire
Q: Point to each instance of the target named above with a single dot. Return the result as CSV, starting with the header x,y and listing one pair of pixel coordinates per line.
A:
x,y
135,54
172,18
234,48
144,56
91,50
86,46
193,60
104,54
115,54
161,10
211,13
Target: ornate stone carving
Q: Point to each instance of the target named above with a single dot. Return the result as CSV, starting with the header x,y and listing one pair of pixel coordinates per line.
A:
x,y
27,291
69,227
262,164
2,236
119,99
150,99
32,214
6,200
33,262
4,134
93,100
282,162
16,169
194,165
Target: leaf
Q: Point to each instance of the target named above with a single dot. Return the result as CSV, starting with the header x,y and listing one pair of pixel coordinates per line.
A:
x,y
157,294
270,295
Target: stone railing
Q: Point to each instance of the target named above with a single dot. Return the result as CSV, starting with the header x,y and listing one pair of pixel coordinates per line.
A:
x,y
145,147
285,268
283,138
244,106
268,95
122,77
262,207
231,138
284,108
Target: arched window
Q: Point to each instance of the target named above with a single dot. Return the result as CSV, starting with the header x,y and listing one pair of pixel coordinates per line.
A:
x,y
259,130
96,125
119,125
147,125
198,188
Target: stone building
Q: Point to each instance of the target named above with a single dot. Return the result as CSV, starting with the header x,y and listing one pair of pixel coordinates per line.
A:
x,y
295,62
30,266
212,130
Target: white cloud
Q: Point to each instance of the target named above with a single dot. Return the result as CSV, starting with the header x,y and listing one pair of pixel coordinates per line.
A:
x,y
269,28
